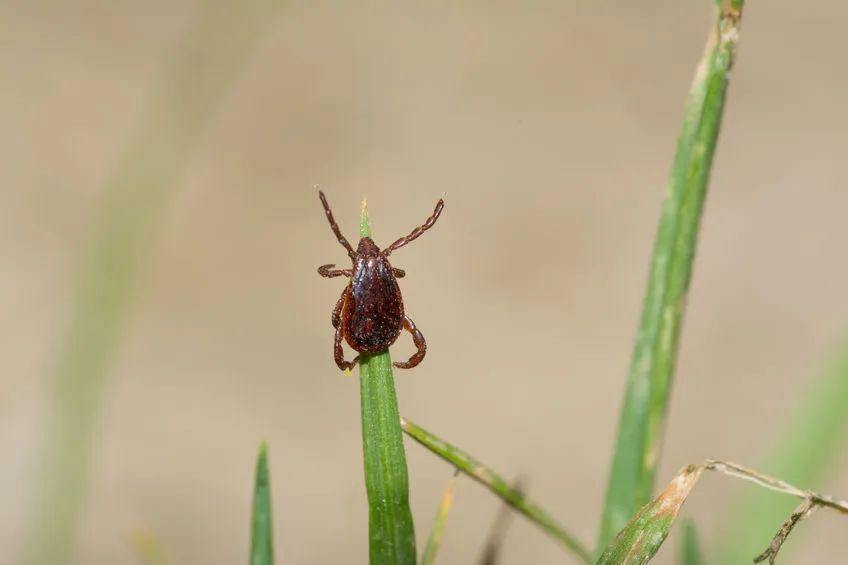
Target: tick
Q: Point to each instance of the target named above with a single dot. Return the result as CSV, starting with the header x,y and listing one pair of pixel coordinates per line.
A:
x,y
370,315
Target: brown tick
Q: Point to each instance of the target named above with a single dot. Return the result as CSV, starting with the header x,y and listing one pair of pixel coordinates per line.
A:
x,y
369,315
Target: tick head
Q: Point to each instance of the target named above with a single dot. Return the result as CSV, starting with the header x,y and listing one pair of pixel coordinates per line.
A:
x,y
367,247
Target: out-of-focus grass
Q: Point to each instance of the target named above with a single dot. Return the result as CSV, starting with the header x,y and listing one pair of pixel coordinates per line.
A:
x,y
261,524
805,454
493,547
149,549
640,429
690,547
204,65
390,530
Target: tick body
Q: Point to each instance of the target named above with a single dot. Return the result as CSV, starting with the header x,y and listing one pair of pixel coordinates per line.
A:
x,y
370,314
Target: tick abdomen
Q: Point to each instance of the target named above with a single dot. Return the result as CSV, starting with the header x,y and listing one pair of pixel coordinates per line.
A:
x,y
374,316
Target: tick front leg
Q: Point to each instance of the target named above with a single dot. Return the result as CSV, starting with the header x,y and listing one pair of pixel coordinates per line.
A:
x,y
417,231
398,273
329,272
420,344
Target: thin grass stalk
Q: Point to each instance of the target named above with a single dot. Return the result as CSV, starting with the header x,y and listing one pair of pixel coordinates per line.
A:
x,y
261,524
500,487
640,430
210,55
390,530
434,541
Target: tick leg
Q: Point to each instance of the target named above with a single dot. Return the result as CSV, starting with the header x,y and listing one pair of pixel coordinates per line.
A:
x,y
398,272
417,231
337,311
338,352
329,272
335,227
420,344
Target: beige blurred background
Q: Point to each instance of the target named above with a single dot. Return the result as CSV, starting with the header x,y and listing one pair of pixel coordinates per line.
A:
x,y
548,126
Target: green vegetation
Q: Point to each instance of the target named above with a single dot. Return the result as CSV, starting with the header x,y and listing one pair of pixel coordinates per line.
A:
x,y
210,56
635,520
690,548
642,536
499,486
637,450
805,454
391,533
262,531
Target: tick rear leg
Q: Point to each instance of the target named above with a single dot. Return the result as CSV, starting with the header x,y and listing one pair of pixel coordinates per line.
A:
x,y
329,272
418,340
338,352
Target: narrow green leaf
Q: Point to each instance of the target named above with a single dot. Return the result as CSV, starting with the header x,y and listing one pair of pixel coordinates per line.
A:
x,y
209,57
390,528
690,547
805,454
495,483
642,536
435,539
261,531
640,428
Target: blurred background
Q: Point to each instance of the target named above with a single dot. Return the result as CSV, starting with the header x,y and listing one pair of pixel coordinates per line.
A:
x,y
160,234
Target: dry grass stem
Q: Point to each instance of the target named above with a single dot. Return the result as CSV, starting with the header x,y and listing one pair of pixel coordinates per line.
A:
x,y
810,503
803,510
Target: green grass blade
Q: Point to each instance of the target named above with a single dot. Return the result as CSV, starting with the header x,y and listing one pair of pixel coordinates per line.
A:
x,y
495,483
261,530
813,442
643,412
210,55
690,547
435,539
642,536
390,529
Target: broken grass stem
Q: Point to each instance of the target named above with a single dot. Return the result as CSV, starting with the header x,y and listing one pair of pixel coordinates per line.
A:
x,y
771,483
803,510
811,501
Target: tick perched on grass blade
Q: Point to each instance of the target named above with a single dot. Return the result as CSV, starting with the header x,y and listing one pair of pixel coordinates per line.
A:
x,y
369,315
